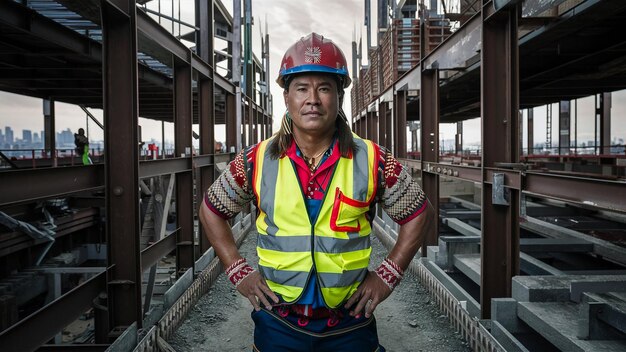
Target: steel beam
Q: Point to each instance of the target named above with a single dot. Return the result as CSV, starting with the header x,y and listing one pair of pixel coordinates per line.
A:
x,y
252,121
400,124
458,140
206,116
159,167
48,183
456,51
466,173
604,115
231,124
120,86
41,326
151,255
160,35
412,163
372,130
202,67
382,123
29,21
50,129
610,195
206,105
184,181
263,126
204,21
531,140
389,125
564,127
500,124
429,120
224,84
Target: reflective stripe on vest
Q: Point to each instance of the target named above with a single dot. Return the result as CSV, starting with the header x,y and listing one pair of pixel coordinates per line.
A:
x,y
338,244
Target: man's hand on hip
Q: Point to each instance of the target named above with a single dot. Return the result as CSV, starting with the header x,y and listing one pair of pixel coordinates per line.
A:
x,y
370,293
256,290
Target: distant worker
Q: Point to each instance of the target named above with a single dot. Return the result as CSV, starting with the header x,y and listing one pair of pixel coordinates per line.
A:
x,y
82,146
219,147
315,185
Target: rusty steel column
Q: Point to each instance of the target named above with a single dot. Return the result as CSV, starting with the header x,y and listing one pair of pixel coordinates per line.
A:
x,y
262,124
244,123
251,122
500,114
184,180
49,123
371,126
400,127
382,123
531,141
362,122
458,140
257,124
564,127
206,116
389,127
603,113
429,128
120,87
206,106
230,120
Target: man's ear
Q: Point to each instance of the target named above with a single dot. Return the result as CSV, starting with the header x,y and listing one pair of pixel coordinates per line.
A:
x,y
285,93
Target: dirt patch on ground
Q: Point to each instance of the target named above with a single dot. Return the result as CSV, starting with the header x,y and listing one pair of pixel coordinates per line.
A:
x,y
407,321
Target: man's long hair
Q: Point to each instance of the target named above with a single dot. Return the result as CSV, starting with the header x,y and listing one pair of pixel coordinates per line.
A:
x,y
282,139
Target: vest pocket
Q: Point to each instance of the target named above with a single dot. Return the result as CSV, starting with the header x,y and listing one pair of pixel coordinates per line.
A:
x,y
347,213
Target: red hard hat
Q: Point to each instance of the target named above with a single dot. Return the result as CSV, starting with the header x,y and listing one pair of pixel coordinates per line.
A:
x,y
314,53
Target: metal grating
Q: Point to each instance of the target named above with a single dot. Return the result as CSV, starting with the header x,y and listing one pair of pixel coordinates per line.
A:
x,y
70,19
62,15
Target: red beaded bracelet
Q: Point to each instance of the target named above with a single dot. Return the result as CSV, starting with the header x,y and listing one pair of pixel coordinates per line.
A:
x,y
390,273
238,271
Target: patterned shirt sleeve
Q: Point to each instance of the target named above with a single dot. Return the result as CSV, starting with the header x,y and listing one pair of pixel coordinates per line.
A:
x,y
401,197
227,196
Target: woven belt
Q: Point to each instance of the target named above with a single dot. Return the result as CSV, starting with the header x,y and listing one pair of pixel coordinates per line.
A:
x,y
300,310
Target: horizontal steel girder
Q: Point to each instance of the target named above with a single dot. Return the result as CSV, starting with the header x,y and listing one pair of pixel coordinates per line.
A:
x,y
28,185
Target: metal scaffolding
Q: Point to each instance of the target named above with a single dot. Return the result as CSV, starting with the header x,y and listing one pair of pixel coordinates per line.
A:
x,y
119,58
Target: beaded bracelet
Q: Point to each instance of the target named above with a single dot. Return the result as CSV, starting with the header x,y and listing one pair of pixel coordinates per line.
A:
x,y
390,273
238,271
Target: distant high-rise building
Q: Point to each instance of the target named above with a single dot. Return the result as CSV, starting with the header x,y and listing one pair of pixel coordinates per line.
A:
x,y
27,136
36,138
65,139
1,139
8,135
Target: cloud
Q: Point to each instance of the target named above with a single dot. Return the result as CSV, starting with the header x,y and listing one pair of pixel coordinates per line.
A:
x,y
288,20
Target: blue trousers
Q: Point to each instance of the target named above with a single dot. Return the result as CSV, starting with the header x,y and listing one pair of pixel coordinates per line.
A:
x,y
275,334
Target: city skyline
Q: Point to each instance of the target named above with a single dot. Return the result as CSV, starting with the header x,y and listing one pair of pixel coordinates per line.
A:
x,y
22,112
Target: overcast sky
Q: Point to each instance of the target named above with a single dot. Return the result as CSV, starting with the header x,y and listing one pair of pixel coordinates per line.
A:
x,y
287,21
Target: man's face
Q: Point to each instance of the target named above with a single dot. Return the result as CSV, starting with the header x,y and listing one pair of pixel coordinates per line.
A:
x,y
312,101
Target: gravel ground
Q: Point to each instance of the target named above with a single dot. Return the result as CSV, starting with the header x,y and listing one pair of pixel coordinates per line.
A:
x,y
407,321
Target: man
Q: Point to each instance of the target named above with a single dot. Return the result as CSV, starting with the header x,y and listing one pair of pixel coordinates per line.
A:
x,y
315,185
82,146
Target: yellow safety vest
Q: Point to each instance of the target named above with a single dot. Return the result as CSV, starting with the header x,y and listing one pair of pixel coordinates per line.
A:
x,y
337,243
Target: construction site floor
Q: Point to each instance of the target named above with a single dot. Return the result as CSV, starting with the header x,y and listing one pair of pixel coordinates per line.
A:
x,y
407,321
